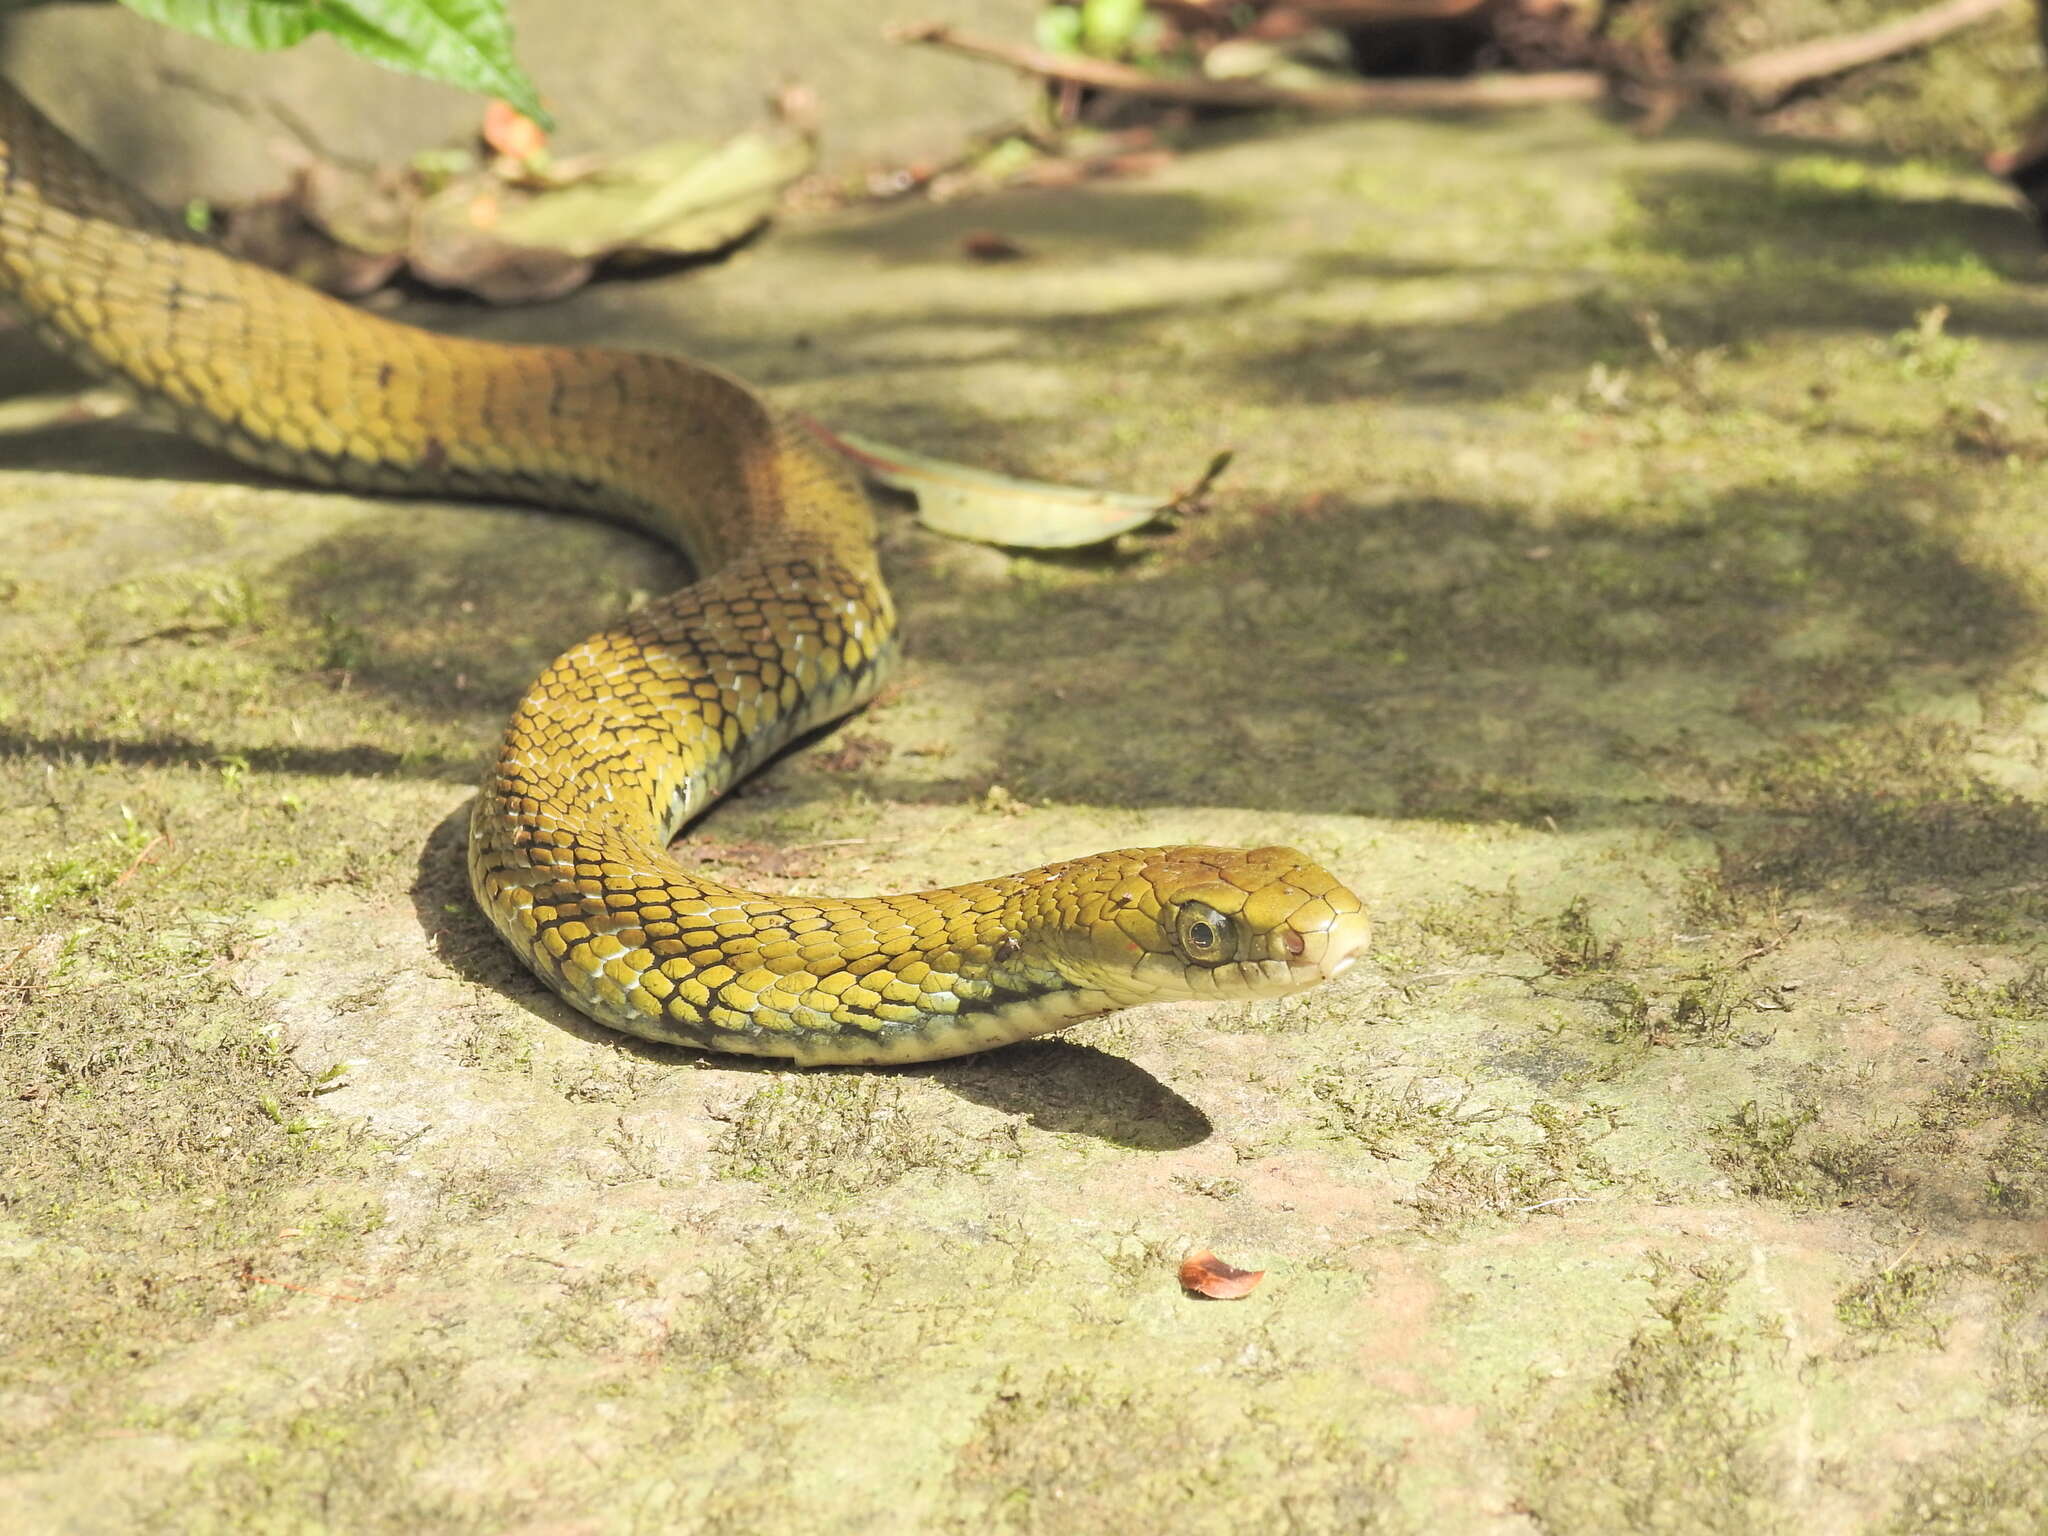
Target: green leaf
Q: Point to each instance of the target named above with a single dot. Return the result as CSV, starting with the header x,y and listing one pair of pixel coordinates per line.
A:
x,y
263,25
1108,26
1058,29
464,42
467,43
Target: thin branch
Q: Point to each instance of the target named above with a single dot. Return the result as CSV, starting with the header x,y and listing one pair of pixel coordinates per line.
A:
x,y
1767,78
142,858
1758,82
1480,91
1341,12
1359,11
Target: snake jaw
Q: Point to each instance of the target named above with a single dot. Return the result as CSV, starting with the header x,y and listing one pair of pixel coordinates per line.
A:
x,y
1339,946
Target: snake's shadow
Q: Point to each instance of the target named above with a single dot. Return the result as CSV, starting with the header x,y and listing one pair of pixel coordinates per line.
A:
x,y
1058,1085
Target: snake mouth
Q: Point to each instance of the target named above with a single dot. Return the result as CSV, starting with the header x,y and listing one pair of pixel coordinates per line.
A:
x,y
1300,959
1344,944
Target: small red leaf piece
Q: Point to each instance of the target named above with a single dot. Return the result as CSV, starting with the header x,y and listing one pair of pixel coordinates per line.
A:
x,y
1203,1274
511,133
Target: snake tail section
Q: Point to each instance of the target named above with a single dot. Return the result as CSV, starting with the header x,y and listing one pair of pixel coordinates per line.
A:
x,y
635,731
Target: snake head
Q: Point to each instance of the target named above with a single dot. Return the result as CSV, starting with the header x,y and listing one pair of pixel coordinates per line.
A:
x,y
1218,923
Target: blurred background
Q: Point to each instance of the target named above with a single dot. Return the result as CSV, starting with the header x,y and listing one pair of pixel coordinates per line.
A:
x,y
173,110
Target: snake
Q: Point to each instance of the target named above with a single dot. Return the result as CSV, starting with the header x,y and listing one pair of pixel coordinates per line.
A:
x,y
630,736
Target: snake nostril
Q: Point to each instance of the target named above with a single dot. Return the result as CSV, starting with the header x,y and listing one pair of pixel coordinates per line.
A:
x,y
1293,942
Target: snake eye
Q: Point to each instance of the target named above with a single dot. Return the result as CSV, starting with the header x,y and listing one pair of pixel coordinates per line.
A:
x,y
1204,935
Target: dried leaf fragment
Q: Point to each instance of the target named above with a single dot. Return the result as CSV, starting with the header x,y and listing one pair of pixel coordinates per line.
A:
x,y
684,198
1203,1274
970,503
520,226
512,133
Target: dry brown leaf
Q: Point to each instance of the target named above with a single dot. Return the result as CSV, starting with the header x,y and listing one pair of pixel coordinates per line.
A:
x,y
367,211
524,228
278,232
450,251
682,198
1203,1274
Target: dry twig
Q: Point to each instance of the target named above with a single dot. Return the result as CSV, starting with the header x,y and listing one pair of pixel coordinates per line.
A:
x,y
1336,12
1757,83
1352,12
1479,91
1767,78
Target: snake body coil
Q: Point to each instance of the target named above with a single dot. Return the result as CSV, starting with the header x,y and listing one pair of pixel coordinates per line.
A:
x,y
641,727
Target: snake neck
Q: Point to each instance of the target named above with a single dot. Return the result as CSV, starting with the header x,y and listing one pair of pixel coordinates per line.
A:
x,y
817,980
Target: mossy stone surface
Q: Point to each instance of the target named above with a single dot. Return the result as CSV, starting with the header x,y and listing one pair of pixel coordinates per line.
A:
x,y
1630,580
